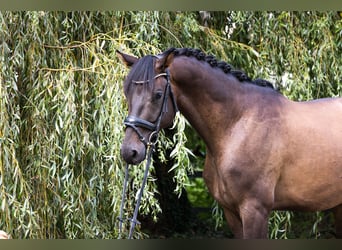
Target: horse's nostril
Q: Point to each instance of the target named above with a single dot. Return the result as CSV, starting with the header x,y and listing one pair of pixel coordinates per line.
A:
x,y
134,153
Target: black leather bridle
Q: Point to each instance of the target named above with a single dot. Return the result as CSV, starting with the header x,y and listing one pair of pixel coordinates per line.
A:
x,y
135,122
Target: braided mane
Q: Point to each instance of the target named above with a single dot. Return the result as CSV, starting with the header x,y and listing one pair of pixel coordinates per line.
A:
x,y
212,61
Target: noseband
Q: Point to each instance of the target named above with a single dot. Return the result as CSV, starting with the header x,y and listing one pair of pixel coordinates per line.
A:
x,y
135,122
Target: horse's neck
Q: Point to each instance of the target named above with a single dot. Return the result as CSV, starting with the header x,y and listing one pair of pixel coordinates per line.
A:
x,y
210,103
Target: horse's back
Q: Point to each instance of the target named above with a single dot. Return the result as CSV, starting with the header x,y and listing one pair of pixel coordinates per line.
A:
x,y
311,176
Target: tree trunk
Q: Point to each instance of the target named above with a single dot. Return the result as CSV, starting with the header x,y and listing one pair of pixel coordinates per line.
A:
x,y
176,213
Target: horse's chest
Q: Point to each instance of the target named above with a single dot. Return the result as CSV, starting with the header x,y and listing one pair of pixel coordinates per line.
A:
x,y
227,181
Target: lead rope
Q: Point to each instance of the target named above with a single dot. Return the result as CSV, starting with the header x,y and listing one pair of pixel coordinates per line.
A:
x,y
134,220
123,197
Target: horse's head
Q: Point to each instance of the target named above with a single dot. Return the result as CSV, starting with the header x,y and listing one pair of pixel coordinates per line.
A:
x,y
151,104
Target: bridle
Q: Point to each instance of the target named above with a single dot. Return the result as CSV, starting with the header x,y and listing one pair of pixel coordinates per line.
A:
x,y
135,123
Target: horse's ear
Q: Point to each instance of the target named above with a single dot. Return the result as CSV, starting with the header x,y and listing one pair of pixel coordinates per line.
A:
x,y
164,61
128,60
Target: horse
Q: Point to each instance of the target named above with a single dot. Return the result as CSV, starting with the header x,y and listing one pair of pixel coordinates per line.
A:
x,y
264,152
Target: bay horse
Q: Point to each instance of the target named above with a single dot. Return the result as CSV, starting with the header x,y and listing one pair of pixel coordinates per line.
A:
x,y
264,152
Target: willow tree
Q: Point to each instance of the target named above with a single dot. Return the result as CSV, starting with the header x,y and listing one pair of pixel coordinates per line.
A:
x,y
62,107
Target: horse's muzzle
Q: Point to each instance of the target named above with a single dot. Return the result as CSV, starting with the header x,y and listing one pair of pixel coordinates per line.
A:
x,y
133,153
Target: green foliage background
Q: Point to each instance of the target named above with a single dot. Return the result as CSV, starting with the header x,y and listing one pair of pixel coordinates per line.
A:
x,y
62,107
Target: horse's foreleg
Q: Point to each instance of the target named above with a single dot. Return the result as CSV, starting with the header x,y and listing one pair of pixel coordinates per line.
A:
x,y
338,220
254,220
234,223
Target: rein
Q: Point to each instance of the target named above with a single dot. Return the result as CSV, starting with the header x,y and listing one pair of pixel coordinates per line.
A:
x,y
135,123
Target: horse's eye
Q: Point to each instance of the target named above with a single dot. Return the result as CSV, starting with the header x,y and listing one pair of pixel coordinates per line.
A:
x,y
158,95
